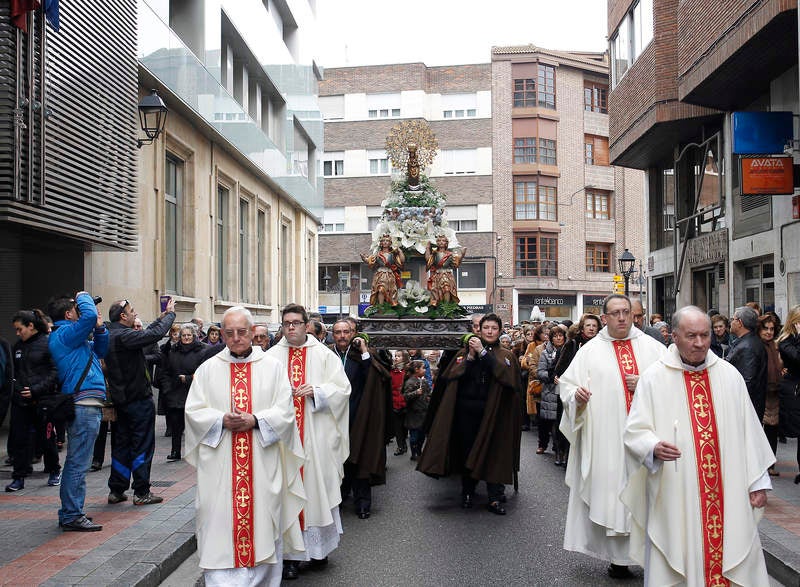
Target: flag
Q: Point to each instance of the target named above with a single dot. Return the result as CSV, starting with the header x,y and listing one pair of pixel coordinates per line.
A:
x,y
51,12
19,12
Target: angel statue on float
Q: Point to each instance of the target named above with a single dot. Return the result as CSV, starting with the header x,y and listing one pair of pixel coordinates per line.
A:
x,y
440,261
386,261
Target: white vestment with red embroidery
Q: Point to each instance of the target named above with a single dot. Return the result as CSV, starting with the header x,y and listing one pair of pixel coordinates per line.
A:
x,y
670,503
272,490
326,442
598,524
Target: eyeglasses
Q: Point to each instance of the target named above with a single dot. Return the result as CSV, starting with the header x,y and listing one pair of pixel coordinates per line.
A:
x,y
293,324
241,332
123,304
619,313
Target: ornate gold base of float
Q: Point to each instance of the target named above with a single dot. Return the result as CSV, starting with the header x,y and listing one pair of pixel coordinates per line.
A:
x,y
410,332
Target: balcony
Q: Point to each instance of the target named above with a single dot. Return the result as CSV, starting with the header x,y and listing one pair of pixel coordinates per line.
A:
x,y
162,53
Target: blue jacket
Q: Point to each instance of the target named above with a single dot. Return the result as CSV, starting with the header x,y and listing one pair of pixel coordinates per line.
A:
x,y
70,347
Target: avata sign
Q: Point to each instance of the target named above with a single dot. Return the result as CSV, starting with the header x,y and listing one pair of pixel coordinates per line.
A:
x,y
767,175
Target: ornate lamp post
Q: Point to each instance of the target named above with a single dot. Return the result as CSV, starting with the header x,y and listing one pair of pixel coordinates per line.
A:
x,y
626,264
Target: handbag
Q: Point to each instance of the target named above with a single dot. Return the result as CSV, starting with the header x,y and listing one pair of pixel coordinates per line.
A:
x,y
535,389
59,408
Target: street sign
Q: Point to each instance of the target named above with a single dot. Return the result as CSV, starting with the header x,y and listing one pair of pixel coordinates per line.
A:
x,y
619,288
618,278
323,309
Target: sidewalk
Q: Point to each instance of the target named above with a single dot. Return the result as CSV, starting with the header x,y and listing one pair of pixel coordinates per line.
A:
x,y
137,546
142,545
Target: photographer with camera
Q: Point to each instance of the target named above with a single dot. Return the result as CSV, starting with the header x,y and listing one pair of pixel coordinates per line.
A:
x,y
80,376
130,390
370,406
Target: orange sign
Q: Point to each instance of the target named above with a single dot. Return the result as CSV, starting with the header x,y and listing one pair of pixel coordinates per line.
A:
x,y
767,175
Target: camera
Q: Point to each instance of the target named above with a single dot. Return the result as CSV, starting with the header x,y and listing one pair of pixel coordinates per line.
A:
x,y
97,300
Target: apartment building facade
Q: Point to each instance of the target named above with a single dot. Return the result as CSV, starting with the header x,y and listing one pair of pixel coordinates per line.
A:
x,y
562,214
360,106
229,198
681,84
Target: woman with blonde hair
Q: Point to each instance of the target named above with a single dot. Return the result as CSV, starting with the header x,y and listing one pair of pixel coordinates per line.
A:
x,y
789,347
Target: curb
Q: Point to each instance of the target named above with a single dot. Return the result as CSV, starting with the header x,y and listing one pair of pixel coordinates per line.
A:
x,y
161,562
782,563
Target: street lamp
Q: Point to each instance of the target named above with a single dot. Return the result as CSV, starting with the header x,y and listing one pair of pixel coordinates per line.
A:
x,y
152,117
626,263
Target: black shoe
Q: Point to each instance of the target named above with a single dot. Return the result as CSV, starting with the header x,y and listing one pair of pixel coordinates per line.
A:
x,y
15,485
115,498
96,466
81,524
619,572
400,451
61,524
168,432
315,564
174,456
496,508
290,570
466,501
796,480
363,514
414,457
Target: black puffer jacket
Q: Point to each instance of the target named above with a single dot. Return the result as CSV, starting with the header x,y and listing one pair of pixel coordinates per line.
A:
x,y
126,365
749,357
177,360
34,368
790,387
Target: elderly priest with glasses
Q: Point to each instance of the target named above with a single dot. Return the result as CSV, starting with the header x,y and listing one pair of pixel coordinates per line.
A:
x,y
242,438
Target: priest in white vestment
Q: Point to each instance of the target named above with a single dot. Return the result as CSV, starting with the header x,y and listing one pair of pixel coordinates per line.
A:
x,y
321,393
697,461
242,438
597,390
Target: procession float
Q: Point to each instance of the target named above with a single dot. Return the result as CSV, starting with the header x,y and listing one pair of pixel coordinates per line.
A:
x,y
415,314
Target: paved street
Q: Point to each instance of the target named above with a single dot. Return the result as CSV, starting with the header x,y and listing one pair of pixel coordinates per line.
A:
x,y
418,534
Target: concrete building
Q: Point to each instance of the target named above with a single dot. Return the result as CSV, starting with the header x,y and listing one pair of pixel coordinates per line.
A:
x,y
562,214
360,106
679,81
67,147
230,196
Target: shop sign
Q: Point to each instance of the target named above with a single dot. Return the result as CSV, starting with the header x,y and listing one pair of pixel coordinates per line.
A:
x,y
593,300
767,175
708,247
554,299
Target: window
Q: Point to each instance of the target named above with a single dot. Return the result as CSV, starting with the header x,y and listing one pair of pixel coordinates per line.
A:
x,y
536,255
597,204
222,242
633,35
525,150
534,202
333,220
463,225
379,166
383,105
333,166
261,262
244,238
595,97
173,225
471,276
459,161
598,258
459,105
547,151
332,107
547,86
595,150
524,93
384,113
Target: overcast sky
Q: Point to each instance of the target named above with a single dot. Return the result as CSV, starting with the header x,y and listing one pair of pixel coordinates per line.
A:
x,y
452,32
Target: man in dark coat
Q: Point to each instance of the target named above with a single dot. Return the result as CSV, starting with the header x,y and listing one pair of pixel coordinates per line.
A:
x,y
476,428
748,355
370,405
128,378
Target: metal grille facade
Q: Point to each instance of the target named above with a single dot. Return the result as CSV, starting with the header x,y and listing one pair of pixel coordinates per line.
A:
x,y
77,88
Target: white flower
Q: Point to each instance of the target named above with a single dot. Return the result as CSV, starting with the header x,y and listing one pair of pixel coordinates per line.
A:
x,y
421,309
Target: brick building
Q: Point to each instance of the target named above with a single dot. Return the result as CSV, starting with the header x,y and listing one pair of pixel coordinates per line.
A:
x,y
562,214
678,77
360,105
